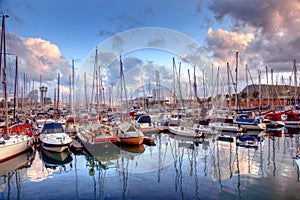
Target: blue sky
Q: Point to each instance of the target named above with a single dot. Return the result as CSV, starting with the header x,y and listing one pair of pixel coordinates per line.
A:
x,y
48,34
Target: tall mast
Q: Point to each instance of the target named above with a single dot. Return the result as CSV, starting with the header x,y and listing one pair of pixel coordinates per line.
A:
x,y
212,84
174,83
268,92
204,87
295,79
190,88
85,92
272,89
16,87
259,91
157,87
58,83
3,51
236,79
121,86
179,85
195,84
229,90
247,86
70,92
95,79
73,84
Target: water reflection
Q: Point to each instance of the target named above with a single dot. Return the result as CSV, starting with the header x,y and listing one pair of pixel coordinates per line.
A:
x,y
56,160
176,168
11,173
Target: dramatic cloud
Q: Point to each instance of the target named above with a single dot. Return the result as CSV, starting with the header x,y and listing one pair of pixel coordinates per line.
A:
x,y
224,44
39,57
273,26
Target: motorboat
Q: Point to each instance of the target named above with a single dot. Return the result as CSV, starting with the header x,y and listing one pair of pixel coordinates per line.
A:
x,y
54,138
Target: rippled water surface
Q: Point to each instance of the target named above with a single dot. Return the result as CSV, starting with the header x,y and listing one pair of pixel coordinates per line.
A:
x,y
175,168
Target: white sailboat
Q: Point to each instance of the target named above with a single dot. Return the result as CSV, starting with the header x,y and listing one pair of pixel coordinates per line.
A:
x,y
127,132
11,144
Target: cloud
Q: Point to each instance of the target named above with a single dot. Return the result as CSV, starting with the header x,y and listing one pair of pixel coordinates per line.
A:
x,y
157,42
224,44
271,17
117,43
39,57
124,22
106,33
270,30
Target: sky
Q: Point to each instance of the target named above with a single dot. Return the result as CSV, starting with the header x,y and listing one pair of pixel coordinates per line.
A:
x,y
47,35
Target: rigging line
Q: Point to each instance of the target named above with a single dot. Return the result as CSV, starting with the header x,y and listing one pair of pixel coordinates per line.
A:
x,y
250,75
232,80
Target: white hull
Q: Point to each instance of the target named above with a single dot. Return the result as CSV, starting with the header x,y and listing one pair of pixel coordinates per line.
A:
x,y
187,132
223,127
14,146
56,142
16,162
252,127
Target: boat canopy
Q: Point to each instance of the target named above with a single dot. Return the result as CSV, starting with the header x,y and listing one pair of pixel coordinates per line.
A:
x,y
125,127
144,119
52,128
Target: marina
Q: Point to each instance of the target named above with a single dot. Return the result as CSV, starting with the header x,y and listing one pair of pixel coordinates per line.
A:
x,y
151,114
175,168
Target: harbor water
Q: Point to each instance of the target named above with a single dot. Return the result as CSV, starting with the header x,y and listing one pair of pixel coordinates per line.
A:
x,y
174,168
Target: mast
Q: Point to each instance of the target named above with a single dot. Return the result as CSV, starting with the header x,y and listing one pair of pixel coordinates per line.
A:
x,y
95,79
190,88
157,87
73,86
85,92
41,97
247,86
204,87
236,79
268,92
195,84
58,84
259,91
212,84
121,86
174,84
217,93
229,90
295,79
272,89
16,87
4,82
179,85
70,92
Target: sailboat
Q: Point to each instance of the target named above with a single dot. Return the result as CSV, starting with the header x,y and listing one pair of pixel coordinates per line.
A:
x,y
126,130
11,144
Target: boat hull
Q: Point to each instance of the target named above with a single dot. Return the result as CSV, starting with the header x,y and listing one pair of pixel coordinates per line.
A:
x,y
18,161
186,132
223,127
9,150
132,140
56,142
